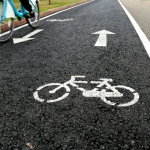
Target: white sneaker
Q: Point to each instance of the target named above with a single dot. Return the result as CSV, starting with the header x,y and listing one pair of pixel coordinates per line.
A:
x,y
34,18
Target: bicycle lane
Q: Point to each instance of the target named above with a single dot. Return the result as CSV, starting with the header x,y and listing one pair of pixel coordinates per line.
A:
x,y
65,49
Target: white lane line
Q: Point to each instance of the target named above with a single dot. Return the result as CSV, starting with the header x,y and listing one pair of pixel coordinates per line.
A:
x,y
50,16
139,31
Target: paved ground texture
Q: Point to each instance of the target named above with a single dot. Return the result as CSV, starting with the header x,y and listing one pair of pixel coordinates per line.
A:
x,y
86,115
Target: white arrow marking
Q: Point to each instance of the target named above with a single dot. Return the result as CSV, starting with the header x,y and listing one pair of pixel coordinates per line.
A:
x,y
59,20
27,37
52,20
102,39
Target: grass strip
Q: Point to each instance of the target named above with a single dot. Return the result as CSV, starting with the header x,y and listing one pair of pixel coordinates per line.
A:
x,y
44,4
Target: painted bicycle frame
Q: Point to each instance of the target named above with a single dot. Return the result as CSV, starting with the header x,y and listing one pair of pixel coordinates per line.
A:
x,y
13,11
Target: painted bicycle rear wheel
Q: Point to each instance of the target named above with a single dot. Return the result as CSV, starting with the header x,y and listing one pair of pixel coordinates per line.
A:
x,y
35,23
6,29
44,93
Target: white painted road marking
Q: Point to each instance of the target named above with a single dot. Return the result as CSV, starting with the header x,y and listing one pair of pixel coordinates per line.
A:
x,y
139,31
27,37
59,20
102,40
107,92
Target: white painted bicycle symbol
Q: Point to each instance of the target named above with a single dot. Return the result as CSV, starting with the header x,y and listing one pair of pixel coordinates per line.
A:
x,y
105,93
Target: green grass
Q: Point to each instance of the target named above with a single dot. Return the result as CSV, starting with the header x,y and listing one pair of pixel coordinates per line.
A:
x,y
44,4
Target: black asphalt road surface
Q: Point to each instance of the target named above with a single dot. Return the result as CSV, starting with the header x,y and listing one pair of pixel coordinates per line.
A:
x,y
64,49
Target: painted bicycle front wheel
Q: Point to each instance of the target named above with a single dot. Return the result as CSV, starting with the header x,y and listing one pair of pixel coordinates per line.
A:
x,y
130,97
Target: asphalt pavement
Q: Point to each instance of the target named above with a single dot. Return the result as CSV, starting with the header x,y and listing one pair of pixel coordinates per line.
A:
x,y
101,96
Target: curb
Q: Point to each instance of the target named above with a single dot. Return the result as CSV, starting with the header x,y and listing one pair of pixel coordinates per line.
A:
x,y
43,14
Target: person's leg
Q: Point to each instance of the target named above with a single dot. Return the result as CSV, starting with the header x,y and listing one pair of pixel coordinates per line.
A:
x,y
26,5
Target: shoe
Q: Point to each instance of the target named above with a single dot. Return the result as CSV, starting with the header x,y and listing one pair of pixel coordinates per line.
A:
x,y
33,16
